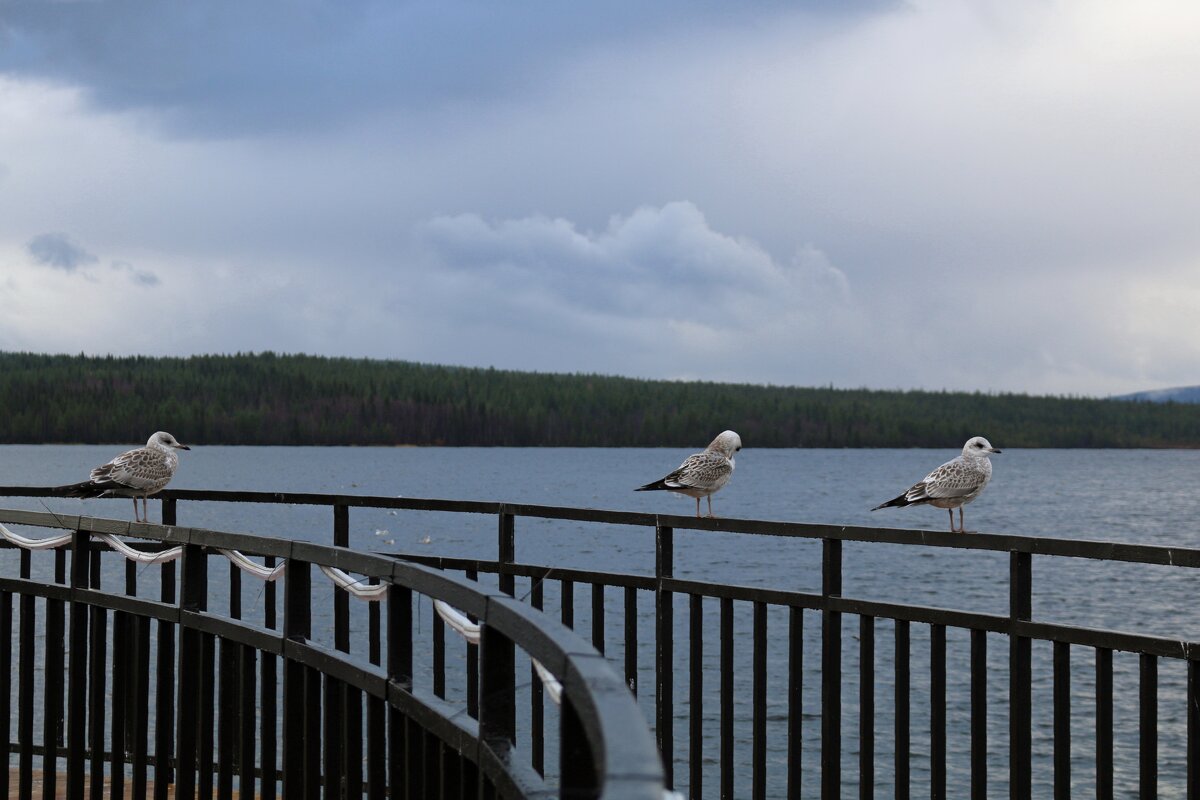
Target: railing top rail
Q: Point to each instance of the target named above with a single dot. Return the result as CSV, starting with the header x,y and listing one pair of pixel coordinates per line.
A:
x,y
624,750
1007,543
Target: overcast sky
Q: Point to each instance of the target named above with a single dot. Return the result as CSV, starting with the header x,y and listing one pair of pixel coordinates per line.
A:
x,y
1002,196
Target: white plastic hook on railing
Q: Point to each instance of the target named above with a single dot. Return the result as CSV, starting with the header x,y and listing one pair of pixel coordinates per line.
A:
x,y
471,632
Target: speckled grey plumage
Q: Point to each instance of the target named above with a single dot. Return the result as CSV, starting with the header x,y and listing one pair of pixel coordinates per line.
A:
x,y
702,474
135,473
953,484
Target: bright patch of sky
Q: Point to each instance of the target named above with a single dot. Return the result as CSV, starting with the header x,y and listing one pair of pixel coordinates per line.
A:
x,y
992,195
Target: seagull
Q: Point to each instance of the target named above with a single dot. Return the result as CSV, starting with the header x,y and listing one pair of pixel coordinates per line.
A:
x,y
135,473
953,484
702,474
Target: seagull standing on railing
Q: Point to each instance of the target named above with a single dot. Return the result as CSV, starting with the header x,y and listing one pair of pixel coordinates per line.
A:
x,y
702,474
953,484
135,473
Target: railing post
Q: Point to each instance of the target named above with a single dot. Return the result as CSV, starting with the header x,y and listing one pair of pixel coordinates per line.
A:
x,y
506,547
400,673
577,769
1020,672
831,672
338,698
1148,725
77,668
298,718
193,597
497,691
664,717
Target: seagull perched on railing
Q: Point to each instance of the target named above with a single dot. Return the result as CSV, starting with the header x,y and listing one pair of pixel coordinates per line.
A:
x,y
953,484
135,473
702,474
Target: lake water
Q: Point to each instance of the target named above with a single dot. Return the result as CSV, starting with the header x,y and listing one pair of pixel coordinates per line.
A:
x,y
1130,495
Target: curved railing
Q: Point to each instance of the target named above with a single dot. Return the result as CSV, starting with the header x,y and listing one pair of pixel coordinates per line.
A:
x,y
343,721
967,728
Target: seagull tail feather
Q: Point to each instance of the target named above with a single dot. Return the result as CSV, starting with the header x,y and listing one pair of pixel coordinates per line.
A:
x,y
651,487
895,502
84,489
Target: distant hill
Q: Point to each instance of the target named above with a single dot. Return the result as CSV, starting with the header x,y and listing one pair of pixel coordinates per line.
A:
x,y
265,399
1179,394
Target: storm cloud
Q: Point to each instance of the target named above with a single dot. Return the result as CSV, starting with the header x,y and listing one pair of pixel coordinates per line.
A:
x,y
995,196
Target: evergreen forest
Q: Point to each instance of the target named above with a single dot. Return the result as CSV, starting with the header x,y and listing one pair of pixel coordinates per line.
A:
x,y
271,399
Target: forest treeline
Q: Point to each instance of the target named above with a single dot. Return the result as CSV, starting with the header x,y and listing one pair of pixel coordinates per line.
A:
x,y
265,398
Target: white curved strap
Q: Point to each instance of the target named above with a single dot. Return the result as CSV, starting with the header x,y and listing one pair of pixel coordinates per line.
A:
x,y
371,592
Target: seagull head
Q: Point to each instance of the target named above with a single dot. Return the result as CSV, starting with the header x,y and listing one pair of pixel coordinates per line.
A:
x,y
164,439
978,447
727,444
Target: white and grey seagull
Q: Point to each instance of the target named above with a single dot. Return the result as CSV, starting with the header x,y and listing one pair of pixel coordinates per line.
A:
x,y
135,473
702,474
953,484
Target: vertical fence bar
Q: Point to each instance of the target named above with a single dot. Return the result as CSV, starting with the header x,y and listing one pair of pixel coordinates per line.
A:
x,y
866,707
506,547
726,698
246,712
598,617
497,691
937,712
77,678
1020,674
978,715
193,594
903,686
1193,730
164,698
1104,724
336,694
1148,726
52,707
795,717
97,658
472,663
631,639
124,681
6,652
25,687
537,699
268,682
695,695
664,717
297,627
831,672
567,603
207,716
758,739
577,770
228,707
1062,721
376,711
400,673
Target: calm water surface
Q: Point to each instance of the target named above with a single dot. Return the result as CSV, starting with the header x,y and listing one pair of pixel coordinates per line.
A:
x,y
1133,496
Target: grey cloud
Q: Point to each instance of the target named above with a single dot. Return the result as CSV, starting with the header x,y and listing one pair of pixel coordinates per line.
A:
x,y
215,67
660,280
58,251
141,277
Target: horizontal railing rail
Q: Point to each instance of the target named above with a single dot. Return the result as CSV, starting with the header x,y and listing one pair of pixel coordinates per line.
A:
x,y
743,737
417,744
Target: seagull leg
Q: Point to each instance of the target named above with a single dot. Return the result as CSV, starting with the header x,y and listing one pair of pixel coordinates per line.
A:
x,y
950,511
135,511
145,511
697,508
710,514
961,528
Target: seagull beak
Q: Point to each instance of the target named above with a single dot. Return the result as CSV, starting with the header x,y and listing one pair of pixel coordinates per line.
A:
x,y
182,447
994,450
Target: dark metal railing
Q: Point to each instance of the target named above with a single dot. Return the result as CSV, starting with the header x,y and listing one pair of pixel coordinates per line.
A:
x,y
738,751
265,708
